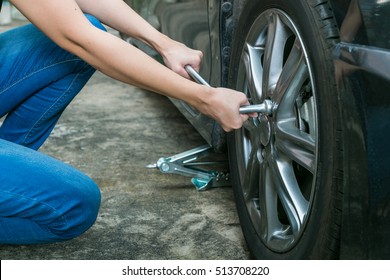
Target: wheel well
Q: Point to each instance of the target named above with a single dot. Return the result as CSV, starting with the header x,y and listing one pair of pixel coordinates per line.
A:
x,y
230,12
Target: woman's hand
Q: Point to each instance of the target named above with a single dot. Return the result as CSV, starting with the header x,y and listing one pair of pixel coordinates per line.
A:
x,y
177,55
223,105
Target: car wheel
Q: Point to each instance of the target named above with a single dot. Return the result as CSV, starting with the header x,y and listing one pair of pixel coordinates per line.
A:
x,y
286,164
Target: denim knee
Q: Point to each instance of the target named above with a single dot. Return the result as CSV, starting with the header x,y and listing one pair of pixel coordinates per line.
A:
x,y
82,212
43,200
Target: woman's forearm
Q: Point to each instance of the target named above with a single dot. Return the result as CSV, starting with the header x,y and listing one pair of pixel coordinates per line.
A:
x,y
126,20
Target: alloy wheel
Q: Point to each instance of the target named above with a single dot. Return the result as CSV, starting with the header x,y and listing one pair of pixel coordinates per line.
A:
x,y
277,151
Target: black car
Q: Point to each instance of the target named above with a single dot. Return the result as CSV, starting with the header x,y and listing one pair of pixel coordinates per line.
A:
x,y
311,174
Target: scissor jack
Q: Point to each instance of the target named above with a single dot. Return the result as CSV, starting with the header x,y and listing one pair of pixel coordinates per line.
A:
x,y
187,164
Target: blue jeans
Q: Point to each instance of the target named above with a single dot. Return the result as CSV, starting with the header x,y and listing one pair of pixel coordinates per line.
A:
x,y
41,199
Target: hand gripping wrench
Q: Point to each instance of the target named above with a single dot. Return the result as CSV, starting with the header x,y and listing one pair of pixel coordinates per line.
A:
x,y
265,107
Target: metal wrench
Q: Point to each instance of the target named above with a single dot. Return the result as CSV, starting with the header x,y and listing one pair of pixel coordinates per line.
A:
x,y
265,107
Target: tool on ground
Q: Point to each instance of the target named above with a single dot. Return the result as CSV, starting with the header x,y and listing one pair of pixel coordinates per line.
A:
x,y
265,107
186,164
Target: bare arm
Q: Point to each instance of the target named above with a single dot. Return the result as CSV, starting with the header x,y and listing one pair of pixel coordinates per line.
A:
x,y
63,21
176,55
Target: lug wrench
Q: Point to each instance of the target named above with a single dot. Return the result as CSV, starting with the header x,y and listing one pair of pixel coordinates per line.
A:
x,y
265,107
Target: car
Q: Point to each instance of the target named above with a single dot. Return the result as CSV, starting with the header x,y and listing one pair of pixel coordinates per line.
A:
x,y
310,174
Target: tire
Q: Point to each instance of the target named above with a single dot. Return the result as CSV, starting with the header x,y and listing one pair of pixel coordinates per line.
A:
x,y
286,164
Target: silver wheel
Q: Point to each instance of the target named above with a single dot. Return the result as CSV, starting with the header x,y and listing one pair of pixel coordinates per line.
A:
x,y
277,152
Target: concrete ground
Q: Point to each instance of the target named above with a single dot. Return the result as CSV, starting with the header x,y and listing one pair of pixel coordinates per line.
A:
x,y
110,132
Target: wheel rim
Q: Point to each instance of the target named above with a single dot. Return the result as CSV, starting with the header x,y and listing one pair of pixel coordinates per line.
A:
x,y
277,152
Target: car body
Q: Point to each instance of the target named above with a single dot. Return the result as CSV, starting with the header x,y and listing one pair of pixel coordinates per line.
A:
x,y
310,175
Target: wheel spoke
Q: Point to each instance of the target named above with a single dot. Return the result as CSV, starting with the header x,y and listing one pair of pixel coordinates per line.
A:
x,y
251,191
297,145
270,224
289,193
294,74
274,52
251,179
254,70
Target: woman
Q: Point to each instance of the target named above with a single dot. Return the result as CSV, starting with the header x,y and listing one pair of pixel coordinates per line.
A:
x,y
43,66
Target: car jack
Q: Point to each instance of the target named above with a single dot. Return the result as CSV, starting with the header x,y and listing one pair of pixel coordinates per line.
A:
x,y
187,164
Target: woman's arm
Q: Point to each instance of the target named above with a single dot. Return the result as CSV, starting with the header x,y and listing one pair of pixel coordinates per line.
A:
x,y
175,54
63,21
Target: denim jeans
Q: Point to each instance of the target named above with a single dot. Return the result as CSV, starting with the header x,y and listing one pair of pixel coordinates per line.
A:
x,y
41,199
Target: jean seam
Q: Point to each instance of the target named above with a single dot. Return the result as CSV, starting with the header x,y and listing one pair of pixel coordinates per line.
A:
x,y
40,70
63,218
42,118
